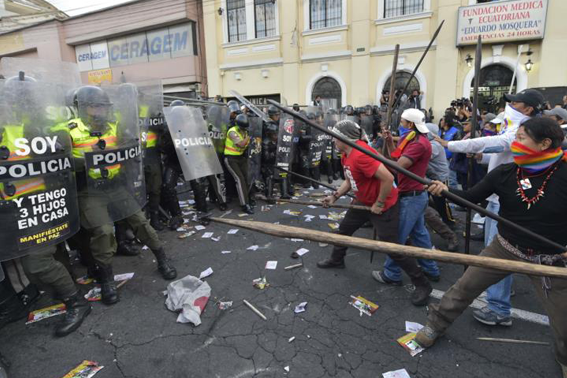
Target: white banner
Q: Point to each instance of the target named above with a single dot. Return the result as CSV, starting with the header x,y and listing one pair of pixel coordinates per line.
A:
x,y
502,21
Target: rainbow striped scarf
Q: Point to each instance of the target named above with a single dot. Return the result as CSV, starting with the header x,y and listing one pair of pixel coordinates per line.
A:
x,y
398,151
534,161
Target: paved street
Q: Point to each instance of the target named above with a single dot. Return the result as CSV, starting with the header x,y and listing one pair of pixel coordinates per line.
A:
x,y
139,337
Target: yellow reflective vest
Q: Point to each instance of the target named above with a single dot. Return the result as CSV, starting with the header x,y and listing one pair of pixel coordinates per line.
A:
x,y
230,148
151,138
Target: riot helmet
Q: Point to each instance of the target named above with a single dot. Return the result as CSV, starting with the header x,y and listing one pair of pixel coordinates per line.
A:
x,y
296,107
349,110
94,105
233,106
19,94
175,103
128,89
272,110
242,121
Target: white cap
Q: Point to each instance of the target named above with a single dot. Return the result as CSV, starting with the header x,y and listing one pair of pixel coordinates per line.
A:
x,y
417,117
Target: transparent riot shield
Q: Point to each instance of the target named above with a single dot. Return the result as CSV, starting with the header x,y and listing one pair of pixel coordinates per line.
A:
x,y
150,111
367,124
38,196
107,135
329,121
218,118
286,146
194,147
255,150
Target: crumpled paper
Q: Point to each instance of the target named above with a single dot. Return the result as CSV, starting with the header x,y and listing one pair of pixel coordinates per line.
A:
x,y
189,296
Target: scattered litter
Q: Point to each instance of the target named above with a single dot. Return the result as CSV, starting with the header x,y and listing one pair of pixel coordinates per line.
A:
x,y
145,248
265,208
413,327
300,307
233,231
185,221
186,235
317,194
293,266
207,235
363,305
302,251
253,248
180,229
256,311
312,206
402,373
323,244
199,227
189,296
47,312
86,369
241,215
294,213
272,265
286,369
84,280
305,192
225,305
308,217
409,344
191,202
291,339
226,213
296,240
94,295
123,276
323,217
336,216
334,226
205,273
260,283
478,219
225,252
216,239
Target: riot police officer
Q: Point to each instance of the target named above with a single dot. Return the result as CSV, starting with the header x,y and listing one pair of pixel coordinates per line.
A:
x,y
236,161
110,192
269,151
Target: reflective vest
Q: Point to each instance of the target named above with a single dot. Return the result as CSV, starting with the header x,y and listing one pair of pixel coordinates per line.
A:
x,y
84,142
149,140
22,187
448,136
230,148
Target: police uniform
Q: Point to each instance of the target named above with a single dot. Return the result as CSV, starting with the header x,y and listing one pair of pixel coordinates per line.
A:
x,y
93,206
236,159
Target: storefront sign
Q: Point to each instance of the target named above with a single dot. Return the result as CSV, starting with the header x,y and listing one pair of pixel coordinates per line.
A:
x,y
502,21
97,77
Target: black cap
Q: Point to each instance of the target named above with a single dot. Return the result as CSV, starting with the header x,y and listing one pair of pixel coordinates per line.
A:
x,y
531,97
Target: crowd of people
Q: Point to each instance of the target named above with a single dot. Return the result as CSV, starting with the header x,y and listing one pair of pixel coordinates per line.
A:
x,y
511,162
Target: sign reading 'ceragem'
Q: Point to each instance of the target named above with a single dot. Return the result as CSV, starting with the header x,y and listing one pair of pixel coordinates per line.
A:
x,y
502,21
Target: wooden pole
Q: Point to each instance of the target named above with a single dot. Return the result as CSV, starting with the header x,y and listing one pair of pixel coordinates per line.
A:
x,y
315,203
388,125
474,123
373,245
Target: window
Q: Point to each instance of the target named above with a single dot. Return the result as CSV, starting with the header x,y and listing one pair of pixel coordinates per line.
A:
x,y
265,11
402,78
236,13
395,8
325,13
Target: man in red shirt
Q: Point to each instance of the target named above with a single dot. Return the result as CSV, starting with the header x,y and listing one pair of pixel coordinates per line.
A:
x,y
413,153
373,186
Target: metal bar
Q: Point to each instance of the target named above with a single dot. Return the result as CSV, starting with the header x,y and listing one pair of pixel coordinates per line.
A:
x,y
393,165
419,63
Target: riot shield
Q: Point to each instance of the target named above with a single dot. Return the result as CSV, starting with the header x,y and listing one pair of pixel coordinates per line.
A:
x,y
113,155
151,120
38,196
218,118
194,147
255,150
367,124
318,139
286,145
329,121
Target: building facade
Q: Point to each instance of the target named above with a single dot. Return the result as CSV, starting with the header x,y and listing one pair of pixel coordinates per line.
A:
x,y
140,40
343,50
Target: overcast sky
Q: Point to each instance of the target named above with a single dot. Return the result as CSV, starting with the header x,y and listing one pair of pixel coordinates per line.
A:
x,y
76,7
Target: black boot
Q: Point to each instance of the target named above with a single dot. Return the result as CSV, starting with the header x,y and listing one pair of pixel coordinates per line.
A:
x,y
108,289
127,248
223,206
285,189
167,271
175,222
155,222
11,307
77,310
248,209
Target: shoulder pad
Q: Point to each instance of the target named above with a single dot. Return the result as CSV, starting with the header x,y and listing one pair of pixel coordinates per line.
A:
x,y
72,125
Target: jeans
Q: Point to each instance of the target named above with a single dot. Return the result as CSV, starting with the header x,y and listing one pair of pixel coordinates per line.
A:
x,y
412,225
453,183
498,295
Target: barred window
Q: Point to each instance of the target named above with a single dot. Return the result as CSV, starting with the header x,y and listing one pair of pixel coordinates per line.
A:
x,y
325,13
236,14
395,8
265,11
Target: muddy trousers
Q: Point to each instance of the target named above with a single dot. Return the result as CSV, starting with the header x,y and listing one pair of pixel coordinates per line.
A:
x,y
475,280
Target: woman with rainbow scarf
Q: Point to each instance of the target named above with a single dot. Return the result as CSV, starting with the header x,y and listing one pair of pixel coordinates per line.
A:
x,y
532,194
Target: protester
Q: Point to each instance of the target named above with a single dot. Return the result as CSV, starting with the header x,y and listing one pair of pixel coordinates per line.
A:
x,y
539,167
